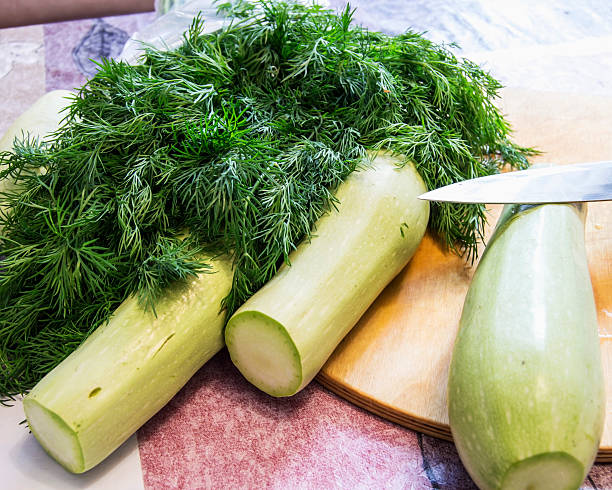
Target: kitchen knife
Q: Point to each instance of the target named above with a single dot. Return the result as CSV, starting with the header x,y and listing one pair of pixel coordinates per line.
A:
x,y
550,184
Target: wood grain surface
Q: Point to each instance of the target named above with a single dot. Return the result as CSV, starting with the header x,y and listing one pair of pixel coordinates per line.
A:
x,y
395,361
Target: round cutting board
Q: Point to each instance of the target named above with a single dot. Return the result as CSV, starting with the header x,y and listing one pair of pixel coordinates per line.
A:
x,y
395,361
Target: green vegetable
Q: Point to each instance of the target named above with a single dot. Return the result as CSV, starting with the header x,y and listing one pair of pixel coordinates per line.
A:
x,y
240,137
281,337
127,370
526,392
40,119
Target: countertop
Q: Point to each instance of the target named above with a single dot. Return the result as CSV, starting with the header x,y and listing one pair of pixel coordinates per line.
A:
x,y
220,432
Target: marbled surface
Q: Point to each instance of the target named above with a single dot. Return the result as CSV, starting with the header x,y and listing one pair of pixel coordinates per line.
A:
x,y
219,432
563,46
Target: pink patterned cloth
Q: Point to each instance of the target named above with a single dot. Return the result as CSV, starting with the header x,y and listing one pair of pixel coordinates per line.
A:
x,y
221,432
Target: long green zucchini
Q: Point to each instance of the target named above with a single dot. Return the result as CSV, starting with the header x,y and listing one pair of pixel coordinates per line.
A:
x,y
282,336
40,119
526,392
127,370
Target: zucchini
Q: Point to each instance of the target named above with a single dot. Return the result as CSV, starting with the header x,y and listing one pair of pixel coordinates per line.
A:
x,y
127,370
281,337
526,389
40,119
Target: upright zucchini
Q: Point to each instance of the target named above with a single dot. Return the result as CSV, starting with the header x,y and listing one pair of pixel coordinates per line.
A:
x,y
127,370
282,336
526,392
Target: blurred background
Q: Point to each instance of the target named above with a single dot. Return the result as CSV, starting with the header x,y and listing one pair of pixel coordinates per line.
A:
x,y
563,46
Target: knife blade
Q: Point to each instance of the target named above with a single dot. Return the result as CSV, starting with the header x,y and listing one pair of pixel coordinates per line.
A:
x,y
550,184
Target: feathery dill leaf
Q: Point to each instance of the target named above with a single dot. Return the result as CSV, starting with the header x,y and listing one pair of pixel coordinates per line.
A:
x,y
238,137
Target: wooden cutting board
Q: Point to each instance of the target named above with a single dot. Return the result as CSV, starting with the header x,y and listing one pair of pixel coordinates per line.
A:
x,y
395,361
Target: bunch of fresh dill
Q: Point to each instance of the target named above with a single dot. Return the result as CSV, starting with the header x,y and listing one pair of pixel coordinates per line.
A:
x,y
233,142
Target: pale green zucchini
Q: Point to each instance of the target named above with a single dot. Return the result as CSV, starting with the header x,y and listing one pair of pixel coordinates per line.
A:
x,y
281,337
40,119
526,392
127,370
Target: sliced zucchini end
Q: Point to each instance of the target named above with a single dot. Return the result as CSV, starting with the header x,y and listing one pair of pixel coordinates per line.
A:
x,y
263,351
54,435
547,471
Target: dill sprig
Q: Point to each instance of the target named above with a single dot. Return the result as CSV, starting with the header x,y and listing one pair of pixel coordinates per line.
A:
x,y
232,143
